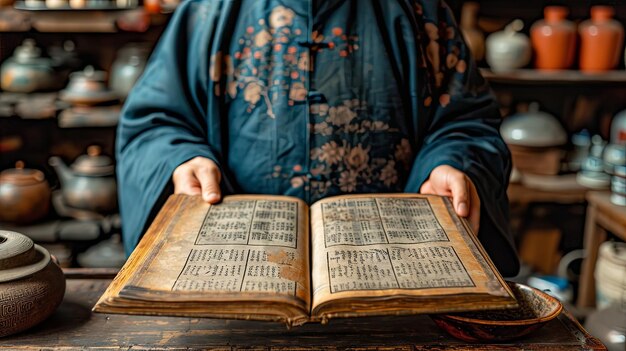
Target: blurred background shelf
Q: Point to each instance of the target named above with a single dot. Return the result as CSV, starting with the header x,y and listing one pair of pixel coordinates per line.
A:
x,y
533,76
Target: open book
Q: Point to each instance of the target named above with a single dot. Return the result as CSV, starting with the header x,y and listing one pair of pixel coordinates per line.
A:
x,y
273,258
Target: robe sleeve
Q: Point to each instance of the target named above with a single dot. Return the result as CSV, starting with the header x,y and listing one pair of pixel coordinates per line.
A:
x,y
163,122
462,131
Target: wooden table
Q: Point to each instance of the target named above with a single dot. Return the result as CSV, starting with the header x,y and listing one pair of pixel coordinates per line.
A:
x,y
74,326
602,216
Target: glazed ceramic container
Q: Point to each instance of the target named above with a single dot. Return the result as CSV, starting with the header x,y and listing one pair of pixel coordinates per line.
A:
x,y
535,139
601,40
610,274
508,49
90,182
554,39
536,308
474,37
27,71
24,195
31,284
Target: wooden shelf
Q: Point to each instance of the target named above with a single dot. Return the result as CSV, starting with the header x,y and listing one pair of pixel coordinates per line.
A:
x,y
533,76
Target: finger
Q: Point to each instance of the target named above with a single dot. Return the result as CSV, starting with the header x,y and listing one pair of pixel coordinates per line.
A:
x,y
458,184
209,178
185,182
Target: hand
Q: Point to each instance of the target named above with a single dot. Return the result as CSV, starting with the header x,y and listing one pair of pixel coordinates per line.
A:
x,y
198,176
449,181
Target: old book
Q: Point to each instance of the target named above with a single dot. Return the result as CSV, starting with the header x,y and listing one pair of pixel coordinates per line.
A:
x,y
273,258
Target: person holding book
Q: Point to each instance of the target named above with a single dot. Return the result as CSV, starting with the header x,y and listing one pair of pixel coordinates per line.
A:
x,y
314,98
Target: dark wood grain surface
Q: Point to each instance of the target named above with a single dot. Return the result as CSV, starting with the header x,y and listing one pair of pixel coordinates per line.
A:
x,y
74,326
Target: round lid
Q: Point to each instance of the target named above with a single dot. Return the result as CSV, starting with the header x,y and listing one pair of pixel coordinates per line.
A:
x,y
19,256
533,129
22,176
93,163
27,51
89,73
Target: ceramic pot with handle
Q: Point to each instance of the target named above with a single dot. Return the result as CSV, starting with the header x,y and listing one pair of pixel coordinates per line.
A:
x,y
89,184
24,195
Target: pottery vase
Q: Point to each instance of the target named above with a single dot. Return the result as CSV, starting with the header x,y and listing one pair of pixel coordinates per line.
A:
x,y
474,38
553,39
601,39
31,284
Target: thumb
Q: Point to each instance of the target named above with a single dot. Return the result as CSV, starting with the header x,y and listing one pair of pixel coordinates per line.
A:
x,y
460,196
209,178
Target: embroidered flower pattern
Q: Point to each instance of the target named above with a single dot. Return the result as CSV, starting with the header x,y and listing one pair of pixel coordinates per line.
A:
x,y
343,160
268,64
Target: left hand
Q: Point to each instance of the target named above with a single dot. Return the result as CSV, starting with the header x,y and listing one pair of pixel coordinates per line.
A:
x,y
448,181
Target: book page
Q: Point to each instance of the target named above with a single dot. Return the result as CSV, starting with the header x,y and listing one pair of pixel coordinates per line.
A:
x,y
386,245
246,246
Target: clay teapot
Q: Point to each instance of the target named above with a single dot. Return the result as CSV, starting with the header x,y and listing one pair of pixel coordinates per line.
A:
x,y
90,182
24,195
27,71
31,284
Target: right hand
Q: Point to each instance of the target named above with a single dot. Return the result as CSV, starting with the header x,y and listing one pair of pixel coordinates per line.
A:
x,y
198,176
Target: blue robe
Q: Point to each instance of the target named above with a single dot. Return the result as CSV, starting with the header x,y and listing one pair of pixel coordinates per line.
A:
x,y
313,98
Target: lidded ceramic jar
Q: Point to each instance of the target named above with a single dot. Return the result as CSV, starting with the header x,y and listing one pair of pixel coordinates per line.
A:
x,y
508,49
601,39
24,195
554,39
535,139
31,284
474,38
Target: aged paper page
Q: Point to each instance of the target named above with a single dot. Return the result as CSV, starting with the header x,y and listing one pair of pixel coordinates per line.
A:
x,y
385,245
247,247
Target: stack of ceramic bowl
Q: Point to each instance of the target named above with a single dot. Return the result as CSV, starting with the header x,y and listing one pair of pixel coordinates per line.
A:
x,y
535,139
618,186
592,174
615,159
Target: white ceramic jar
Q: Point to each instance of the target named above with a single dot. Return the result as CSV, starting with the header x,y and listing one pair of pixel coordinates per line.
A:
x,y
508,49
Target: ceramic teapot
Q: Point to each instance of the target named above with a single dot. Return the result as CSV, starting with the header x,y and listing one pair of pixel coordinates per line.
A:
x,y
87,88
24,195
90,182
27,71
31,284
